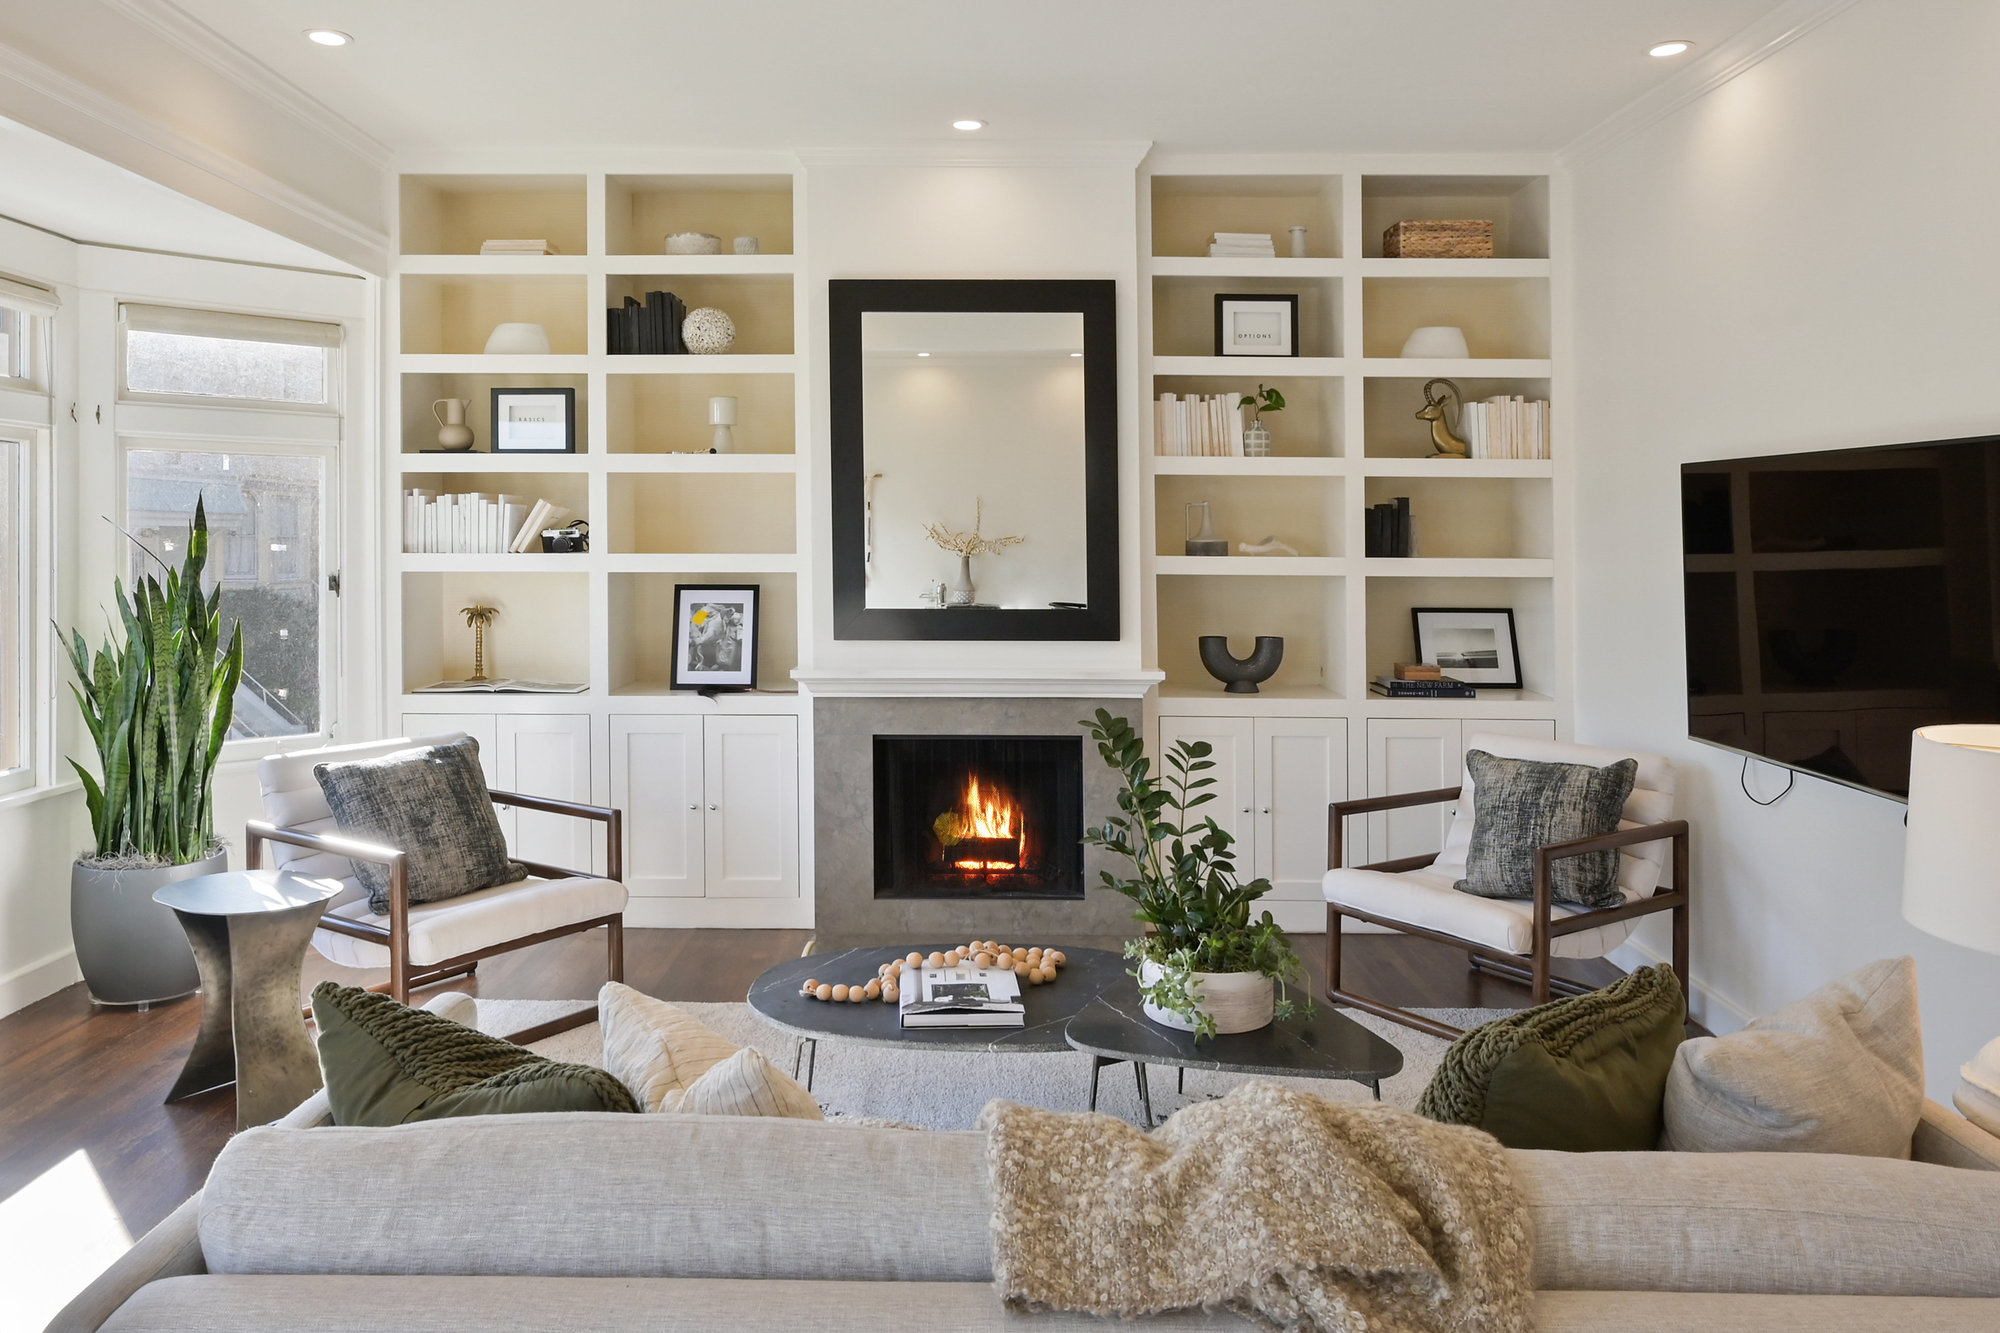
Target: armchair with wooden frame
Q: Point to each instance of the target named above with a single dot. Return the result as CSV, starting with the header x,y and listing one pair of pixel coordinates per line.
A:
x,y
1515,938
425,943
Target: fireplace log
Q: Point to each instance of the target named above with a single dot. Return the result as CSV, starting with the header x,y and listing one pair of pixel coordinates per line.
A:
x,y
985,851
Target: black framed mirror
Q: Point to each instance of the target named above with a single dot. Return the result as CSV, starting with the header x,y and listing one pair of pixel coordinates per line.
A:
x,y
975,458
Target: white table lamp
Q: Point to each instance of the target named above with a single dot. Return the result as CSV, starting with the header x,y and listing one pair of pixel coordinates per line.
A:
x,y
1951,870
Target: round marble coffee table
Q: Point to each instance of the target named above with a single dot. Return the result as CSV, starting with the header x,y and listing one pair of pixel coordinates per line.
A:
x,y
249,930
1113,1029
775,997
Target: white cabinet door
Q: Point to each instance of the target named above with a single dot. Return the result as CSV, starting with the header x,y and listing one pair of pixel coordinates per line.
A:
x,y
1535,728
479,726
1301,769
656,780
751,789
1406,755
548,754
1234,806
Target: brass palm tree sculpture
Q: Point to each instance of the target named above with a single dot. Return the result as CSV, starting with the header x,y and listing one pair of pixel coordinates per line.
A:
x,y
477,618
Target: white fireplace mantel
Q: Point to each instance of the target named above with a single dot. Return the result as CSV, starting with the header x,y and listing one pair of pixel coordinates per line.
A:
x,y
1025,683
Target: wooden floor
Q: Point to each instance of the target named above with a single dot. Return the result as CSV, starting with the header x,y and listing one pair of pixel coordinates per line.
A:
x,y
75,1077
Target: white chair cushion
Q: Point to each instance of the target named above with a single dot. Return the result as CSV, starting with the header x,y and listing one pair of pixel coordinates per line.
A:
x,y
474,921
1640,869
1426,899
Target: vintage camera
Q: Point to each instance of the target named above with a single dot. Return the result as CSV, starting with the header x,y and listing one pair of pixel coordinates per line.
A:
x,y
568,540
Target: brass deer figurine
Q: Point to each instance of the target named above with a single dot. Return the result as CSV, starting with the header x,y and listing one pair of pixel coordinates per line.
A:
x,y
1447,444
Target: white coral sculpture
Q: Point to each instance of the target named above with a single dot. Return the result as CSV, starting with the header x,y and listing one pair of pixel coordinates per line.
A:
x,y
969,543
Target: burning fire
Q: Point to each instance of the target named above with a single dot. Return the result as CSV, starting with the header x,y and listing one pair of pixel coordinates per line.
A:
x,y
982,834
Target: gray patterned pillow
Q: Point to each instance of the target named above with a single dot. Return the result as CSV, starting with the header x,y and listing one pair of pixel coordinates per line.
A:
x,y
1520,805
430,803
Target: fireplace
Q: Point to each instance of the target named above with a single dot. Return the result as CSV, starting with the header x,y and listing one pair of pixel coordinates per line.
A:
x,y
978,816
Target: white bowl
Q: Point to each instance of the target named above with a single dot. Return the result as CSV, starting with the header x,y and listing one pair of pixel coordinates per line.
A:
x,y
1437,340
694,243
518,340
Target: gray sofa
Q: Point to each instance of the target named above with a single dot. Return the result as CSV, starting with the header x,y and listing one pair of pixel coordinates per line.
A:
x,y
666,1222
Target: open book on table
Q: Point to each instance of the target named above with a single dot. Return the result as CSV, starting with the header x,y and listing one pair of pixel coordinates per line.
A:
x,y
961,997
500,687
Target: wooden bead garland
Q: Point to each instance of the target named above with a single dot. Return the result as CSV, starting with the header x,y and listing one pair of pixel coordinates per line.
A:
x,y
1036,966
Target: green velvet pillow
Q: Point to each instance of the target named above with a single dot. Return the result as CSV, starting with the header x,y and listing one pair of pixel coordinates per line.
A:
x,y
1583,1074
388,1064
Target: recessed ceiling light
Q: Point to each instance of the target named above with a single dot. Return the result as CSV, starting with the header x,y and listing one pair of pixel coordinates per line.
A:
x,y
923,353
328,37
1076,353
1665,49
968,125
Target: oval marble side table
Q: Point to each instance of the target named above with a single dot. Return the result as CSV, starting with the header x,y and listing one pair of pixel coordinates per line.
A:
x,y
249,930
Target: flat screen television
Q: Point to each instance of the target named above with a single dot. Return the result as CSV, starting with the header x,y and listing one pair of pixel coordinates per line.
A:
x,y
1837,601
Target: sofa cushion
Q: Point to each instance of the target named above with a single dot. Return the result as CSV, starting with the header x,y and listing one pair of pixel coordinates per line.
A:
x,y
654,1048
746,1084
1527,804
1798,1223
385,1063
1841,1071
431,804
593,1195
1583,1074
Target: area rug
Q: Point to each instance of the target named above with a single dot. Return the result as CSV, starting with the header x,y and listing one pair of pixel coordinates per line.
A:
x,y
946,1090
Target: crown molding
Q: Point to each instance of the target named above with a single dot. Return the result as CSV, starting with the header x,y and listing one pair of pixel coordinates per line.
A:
x,y
1730,59
364,246
1124,154
167,20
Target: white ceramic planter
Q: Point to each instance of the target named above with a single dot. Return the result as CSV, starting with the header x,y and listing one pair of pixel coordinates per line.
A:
x,y
1237,1001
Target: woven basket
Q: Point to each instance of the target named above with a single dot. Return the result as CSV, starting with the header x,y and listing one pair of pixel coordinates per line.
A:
x,y
1453,238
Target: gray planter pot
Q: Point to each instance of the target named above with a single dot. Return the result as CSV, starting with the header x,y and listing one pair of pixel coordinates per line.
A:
x,y
131,949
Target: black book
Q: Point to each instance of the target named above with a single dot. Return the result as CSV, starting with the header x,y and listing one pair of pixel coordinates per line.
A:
x,y
1423,689
656,323
1402,545
614,332
675,318
635,336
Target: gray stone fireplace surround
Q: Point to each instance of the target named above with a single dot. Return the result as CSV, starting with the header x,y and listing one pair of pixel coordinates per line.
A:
x,y
844,732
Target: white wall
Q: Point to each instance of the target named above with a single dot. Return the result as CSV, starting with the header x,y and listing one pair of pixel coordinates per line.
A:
x,y
1018,218
1803,259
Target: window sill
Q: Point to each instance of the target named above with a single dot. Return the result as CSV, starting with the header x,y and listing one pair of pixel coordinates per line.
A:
x,y
31,795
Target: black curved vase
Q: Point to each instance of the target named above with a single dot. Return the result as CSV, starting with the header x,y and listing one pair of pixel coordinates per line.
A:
x,y
1242,674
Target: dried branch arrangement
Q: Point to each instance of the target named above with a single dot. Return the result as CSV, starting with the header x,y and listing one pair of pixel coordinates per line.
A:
x,y
969,543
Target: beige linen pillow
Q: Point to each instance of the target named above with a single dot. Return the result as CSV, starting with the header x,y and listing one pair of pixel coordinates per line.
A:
x,y
1841,1071
670,1061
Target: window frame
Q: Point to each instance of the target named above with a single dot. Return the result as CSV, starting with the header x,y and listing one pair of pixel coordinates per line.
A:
x,y
32,645
336,385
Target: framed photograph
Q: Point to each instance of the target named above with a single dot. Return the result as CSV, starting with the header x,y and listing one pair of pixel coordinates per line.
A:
x,y
715,637
1256,325
1474,644
534,421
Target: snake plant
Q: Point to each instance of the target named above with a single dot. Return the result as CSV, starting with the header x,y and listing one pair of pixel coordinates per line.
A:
x,y
158,705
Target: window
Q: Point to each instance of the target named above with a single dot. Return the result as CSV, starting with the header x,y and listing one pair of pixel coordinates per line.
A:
x,y
16,638
266,516
24,313
181,354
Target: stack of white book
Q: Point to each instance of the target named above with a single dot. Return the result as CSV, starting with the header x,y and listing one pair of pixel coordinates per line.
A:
x,y
517,248
1506,427
1198,425
1242,245
475,523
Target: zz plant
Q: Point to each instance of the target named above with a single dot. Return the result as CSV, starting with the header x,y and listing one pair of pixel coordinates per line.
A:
x,y
1183,879
158,706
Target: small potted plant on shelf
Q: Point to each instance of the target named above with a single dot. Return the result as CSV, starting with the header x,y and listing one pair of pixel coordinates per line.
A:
x,y
1257,435
158,706
1207,965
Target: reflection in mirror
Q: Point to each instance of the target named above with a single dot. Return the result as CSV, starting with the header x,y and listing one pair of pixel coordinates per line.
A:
x,y
973,452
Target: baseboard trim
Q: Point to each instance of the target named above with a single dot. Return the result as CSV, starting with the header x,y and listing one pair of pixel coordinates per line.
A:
x,y
1714,1011
38,980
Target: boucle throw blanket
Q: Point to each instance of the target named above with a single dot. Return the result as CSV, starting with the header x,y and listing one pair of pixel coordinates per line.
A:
x,y
1296,1212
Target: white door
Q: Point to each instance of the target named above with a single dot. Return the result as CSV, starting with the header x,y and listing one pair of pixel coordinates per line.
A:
x,y
1234,806
750,779
1406,755
656,780
1301,770
548,754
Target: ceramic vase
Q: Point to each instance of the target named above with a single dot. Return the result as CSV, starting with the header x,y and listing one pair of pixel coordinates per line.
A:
x,y
962,591
453,434
130,949
1237,1001
1257,440
722,416
1242,675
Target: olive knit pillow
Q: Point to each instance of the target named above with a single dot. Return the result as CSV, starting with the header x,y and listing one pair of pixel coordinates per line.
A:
x,y
429,802
1521,805
1584,1074
388,1064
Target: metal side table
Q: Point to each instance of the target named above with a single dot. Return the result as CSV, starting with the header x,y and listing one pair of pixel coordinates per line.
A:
x,y
249,930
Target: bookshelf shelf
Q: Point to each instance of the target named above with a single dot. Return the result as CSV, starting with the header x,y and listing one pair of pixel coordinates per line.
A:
x,y
1435,467
1283,268
1420,567
1172,466
1398,367
704,563
1251,566
726,363
476,463
526,562
1250,367
700,265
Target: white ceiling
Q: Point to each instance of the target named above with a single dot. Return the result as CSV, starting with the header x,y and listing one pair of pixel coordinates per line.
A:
x,y
1270,75
51,185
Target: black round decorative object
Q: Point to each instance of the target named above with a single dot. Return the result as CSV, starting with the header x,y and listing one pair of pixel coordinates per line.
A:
x,y
1243,674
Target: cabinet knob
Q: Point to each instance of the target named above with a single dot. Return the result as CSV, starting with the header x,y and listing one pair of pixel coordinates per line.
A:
x,y
694,807
1246,810
712,807
1267,809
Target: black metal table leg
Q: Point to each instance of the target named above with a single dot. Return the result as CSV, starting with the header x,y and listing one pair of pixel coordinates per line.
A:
x,y
1097,1063
808,1052
1145,1095
1375,1086
1180,1079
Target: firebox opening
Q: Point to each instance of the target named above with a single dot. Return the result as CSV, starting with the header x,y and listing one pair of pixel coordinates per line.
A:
x,y
978,816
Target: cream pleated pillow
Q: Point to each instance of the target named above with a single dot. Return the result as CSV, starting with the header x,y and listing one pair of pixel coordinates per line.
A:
x,y
669,1061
